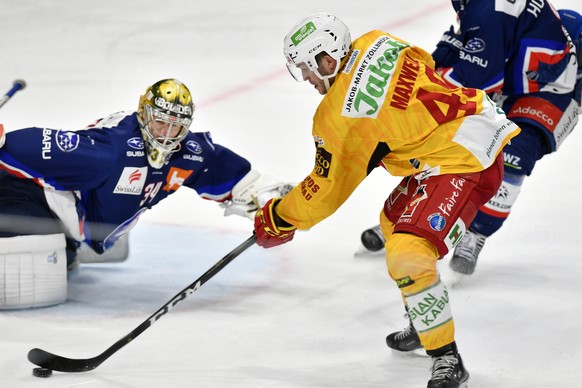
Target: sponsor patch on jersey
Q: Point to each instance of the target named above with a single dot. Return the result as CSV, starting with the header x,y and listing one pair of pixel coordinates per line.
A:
x,y
67,141
175,178
319,142
450,201
322,162
437,222
350,63
131,181
456,233
539,110
194,147
475,59
136,143
475,45
371,78
308,188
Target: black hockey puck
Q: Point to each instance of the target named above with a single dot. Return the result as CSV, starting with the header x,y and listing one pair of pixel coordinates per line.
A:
x,y
42,372
372,239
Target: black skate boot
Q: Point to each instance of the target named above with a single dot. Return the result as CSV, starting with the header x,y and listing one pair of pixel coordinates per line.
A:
x,y
447,368
466,253
405,340
373,239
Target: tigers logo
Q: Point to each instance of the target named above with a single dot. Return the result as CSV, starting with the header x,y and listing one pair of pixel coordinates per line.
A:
x,y
419,196
175,178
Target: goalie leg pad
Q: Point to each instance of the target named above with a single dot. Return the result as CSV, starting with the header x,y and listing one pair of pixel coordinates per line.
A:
x,y
33,271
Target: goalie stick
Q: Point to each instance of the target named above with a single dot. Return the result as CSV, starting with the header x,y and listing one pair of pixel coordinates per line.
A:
x,y
16,86
52,361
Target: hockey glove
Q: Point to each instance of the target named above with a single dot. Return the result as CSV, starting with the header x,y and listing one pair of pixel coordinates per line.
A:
x,y
447,51
252,192
2,136
270,229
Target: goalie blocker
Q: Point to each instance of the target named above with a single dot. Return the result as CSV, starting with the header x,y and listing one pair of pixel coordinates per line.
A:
x,y
33,271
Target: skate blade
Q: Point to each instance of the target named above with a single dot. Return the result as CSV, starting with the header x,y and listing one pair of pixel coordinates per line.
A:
x,y
416,353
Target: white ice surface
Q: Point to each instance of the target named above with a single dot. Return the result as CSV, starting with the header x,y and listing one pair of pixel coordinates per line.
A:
x,y
307,314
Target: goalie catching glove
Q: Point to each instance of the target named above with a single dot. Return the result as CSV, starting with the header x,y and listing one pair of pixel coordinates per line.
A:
x,y
252,192
270,229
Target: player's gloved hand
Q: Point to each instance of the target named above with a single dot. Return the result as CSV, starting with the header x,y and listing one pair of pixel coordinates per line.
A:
x,y
447,51
2,136
252,192
270,229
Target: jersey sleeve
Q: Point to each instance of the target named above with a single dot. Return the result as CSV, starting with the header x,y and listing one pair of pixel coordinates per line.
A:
x,y
481,62
63,160
222,170
342,161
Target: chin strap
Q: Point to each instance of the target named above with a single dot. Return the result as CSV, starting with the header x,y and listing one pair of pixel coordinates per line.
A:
x,y
326,83
326,78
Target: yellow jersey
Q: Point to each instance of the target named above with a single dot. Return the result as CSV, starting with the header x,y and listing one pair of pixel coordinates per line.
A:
x,y
389,107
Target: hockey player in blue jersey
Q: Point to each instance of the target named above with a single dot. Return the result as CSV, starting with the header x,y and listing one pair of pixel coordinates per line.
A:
x,y
60,190
520,54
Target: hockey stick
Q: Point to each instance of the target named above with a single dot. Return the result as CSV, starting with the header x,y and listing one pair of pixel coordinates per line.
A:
x,y
52,361
16,86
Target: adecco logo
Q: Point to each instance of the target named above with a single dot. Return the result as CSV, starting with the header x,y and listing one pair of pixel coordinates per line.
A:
x,y
529,111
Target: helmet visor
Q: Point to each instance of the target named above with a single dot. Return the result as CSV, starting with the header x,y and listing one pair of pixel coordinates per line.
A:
x,y
300,71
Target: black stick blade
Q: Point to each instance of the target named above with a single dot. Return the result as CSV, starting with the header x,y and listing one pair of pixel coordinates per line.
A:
x,y
51,361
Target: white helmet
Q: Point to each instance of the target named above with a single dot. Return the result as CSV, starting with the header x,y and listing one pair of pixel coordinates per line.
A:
x,y
317,33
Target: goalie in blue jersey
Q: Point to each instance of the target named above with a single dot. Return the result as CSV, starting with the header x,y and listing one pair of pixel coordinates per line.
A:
x,y
68,194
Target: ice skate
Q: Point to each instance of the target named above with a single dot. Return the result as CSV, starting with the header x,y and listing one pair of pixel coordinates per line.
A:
x,y
448,370
466,253
405,340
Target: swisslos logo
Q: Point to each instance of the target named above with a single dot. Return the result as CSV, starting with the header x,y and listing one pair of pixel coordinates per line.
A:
x,y
131,181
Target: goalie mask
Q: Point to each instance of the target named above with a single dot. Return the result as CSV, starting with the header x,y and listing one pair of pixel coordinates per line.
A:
x,y
317,33
164,114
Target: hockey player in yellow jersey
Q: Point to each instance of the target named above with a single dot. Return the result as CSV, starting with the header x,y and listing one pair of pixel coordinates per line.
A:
x,y
384,105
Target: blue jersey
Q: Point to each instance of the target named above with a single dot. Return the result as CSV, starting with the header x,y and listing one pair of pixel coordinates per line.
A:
x,y
106,168
519,51
517,47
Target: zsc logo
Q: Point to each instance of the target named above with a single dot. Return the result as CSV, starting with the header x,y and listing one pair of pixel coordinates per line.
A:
x,y
475,45
67,141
